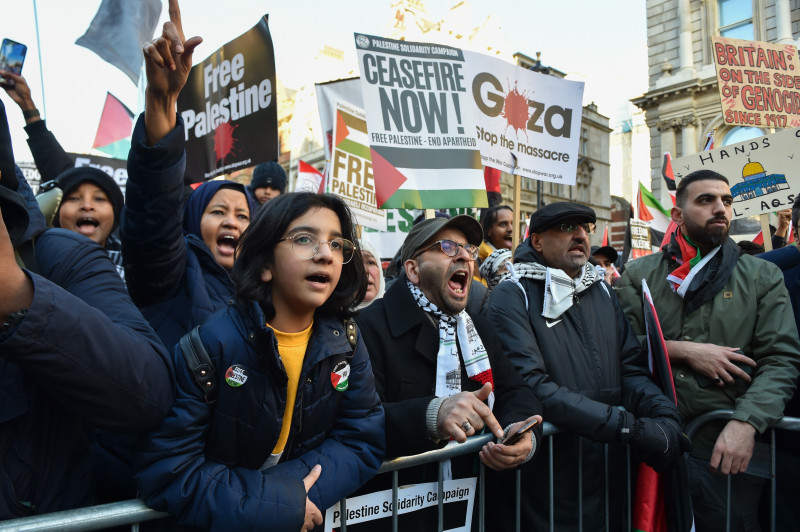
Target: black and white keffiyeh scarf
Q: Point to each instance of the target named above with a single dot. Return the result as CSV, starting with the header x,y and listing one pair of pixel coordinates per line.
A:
x,y
559,288
448,366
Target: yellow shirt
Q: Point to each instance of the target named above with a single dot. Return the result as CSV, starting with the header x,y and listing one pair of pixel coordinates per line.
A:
x,y
292,349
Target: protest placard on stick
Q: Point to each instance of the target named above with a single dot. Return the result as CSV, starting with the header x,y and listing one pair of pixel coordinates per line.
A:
x,y
759,82
525,120
229,107
420,122
762,172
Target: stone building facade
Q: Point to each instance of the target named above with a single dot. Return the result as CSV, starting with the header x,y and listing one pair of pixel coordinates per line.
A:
x,y
682,104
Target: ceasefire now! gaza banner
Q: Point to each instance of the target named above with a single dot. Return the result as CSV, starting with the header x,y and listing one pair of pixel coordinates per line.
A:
x,y
421,129
229,107
526,123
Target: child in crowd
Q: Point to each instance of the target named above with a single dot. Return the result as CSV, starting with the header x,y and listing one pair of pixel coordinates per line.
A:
x,y
297,424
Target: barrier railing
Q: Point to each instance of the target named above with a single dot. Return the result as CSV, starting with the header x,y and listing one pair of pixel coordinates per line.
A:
x,y
785,423
135,511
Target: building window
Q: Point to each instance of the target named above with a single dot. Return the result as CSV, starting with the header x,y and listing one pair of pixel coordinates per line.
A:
x,y
736,19
584,141
741,134
582,184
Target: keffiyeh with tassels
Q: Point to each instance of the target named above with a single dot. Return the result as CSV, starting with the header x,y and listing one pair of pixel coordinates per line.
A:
x,y
448,365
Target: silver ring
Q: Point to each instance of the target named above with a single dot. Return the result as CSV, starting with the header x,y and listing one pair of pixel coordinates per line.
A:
x,y
466,426
717,379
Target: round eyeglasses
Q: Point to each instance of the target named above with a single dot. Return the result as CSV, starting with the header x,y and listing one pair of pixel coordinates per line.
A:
x,y
306,246
450,248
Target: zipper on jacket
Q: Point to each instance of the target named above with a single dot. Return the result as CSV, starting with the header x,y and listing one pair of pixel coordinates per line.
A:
x,y
287,451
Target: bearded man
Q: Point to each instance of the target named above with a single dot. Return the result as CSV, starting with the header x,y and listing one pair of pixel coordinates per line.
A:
x,y
731,340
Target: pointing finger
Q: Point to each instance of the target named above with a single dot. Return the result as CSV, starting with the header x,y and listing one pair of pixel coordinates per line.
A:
x,y
175,17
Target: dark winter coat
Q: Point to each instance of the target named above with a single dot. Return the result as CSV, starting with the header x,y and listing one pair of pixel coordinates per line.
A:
x,y
581,366
202,464
172,276
403,342
83,357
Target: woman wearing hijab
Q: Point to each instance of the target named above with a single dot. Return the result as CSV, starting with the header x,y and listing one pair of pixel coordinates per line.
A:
x,y
178,259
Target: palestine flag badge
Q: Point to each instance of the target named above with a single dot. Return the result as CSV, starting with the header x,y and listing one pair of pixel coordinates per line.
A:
x,y
340,376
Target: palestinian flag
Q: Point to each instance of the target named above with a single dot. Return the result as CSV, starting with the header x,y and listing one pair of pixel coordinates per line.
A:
x,y
412,178
669,176
709,145
114,131
650,210
662,501
309,179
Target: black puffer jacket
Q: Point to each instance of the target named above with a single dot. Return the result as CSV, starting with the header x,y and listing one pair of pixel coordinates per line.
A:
x,y
581,366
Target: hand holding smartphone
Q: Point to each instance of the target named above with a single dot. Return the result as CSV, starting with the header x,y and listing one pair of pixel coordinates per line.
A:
x,y
12,57
513,438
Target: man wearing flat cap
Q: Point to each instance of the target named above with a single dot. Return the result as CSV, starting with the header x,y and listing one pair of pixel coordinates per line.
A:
x,y
563,329
438,370
605,257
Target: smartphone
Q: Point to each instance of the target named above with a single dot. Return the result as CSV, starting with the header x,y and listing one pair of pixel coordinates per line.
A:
x,y
511,439
12,56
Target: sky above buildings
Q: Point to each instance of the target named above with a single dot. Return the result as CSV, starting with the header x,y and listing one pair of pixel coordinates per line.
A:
x,y
602,44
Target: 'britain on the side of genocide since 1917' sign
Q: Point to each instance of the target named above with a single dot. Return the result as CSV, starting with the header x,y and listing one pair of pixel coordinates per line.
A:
x,y
229,107
763,173
526,123
759,82
421,129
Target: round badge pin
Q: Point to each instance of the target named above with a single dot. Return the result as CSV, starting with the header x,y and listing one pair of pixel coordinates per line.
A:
x,y
236,376
340,376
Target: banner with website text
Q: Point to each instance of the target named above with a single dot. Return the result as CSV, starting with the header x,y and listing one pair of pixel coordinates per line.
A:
x,y
759,82
229,107
421,126
527,123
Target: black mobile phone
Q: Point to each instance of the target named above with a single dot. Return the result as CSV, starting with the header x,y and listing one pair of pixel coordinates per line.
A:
x,y
511,439
12,56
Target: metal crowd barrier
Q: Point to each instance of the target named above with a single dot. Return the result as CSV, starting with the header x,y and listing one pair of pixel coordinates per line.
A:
x,y
785,423
135,511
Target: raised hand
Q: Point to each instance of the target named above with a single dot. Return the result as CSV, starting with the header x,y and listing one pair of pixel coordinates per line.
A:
x,y
168,61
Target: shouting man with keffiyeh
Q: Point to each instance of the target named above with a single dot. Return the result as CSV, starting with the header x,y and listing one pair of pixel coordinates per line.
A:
x,y
562,327
440,371
732,343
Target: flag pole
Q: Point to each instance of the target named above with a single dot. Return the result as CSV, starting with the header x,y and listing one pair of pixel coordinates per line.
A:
x,y
764,219
517,193
39,52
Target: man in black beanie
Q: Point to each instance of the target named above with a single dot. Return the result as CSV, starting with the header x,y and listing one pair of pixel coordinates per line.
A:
x,y
269,181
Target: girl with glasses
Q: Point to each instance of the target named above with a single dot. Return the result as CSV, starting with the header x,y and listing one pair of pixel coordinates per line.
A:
x,y
297,424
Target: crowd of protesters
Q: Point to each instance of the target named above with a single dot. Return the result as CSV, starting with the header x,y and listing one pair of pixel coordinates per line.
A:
x,y
234,356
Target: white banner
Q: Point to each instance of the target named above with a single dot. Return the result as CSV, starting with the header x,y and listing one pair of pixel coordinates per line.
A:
x,y
378,506
351,166
520,113
762,172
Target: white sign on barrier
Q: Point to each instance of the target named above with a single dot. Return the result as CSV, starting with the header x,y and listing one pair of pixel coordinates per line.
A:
x,y
412,498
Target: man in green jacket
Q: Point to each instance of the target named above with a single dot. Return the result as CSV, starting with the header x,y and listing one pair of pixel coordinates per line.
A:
x,y
731,340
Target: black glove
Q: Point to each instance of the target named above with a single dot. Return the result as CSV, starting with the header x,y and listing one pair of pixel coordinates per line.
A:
x,y
661,440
